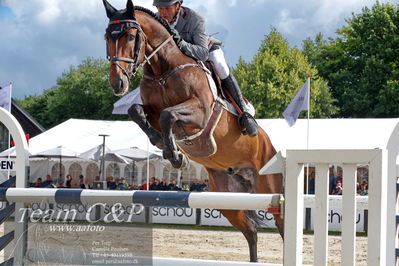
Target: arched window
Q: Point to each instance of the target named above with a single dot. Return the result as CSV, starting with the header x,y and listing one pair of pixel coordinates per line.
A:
x,y
92,171
113,170
130,173
75,170
188,176
55,172
170,172
152,171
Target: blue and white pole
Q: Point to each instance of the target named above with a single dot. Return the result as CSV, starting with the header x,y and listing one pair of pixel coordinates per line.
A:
x,y
214,200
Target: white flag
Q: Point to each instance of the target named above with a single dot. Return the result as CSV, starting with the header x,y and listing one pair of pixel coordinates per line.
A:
x,y
5,97
122,105
298,104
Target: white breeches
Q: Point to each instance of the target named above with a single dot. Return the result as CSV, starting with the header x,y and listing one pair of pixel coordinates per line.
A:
x,y
217,58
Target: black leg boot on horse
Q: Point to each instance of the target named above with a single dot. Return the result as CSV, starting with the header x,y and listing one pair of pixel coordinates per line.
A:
x,y
137,114
245,120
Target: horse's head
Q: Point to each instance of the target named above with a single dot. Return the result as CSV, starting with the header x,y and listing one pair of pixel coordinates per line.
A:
x,y
125,40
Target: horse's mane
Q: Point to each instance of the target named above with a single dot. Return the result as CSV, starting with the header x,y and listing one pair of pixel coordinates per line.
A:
x,y
157,18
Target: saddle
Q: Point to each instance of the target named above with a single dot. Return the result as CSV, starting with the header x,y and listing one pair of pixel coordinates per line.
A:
x,y
203,143
221,91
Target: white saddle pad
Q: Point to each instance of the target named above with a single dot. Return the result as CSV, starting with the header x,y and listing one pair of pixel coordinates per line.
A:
x,y
226,104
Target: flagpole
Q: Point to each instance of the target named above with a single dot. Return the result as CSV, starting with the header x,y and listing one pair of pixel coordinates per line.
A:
x,y
148,164
307,135
307,138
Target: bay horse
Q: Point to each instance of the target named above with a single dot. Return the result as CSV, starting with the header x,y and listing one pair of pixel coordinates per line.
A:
x,y
179,108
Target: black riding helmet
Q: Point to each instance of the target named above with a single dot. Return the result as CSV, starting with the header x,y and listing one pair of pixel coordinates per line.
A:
x,y
166,2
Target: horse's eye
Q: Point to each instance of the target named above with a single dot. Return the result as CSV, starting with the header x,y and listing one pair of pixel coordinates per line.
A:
x,y
131,37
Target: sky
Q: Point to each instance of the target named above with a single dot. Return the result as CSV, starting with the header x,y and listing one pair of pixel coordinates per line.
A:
x,y
41,39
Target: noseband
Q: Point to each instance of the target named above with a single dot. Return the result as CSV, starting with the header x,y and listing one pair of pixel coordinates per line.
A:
x,y
133,66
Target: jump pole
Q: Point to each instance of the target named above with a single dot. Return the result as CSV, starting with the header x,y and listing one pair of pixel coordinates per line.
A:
x,y
214,200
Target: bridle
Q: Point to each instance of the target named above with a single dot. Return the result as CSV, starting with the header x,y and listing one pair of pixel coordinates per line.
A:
x,y
133,65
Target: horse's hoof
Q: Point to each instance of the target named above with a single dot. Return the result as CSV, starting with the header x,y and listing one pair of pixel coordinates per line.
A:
x,y
170,155
176,163
177,159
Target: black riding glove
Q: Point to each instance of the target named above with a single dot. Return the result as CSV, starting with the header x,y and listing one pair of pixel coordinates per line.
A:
x,y
176,37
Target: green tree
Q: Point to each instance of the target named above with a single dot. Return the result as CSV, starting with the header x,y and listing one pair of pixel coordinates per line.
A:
x,y
275,75
82,92
362,63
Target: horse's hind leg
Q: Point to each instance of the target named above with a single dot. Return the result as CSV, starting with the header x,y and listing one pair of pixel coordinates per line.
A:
x,y
271,184
222,181
248,228
137,114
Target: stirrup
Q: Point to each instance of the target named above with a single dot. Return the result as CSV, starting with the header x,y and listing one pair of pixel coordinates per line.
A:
x,y
248,124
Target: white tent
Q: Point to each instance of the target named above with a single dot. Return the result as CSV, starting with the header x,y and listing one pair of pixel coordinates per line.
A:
x,y
81,135
96,154
330,133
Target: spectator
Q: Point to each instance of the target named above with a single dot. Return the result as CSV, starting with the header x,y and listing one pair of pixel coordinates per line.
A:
x,y
122,184
49,182
332,182
197,185
155,184
162,185
86,182
172,185
143,186
358,188
68,183
206,185
60,184
311,187
111,184
338,189
82,182
364,188
39,182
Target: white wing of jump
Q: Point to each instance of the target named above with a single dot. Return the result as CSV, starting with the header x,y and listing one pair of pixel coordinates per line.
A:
x,y
275,165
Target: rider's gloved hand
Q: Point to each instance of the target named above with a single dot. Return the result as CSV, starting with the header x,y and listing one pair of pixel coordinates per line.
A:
x,y
176,37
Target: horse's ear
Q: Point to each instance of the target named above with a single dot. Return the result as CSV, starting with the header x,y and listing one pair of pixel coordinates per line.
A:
x,y
130,9
109,9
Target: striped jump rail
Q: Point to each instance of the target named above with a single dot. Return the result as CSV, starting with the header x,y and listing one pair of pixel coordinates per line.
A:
x,y
214,200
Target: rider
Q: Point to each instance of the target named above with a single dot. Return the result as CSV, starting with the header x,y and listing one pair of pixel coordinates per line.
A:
x,y
190,36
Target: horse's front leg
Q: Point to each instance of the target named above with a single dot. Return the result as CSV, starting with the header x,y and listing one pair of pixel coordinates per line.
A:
x,y
137,114
188,112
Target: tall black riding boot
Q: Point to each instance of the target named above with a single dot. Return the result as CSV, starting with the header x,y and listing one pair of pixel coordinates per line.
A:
x,y
246,121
